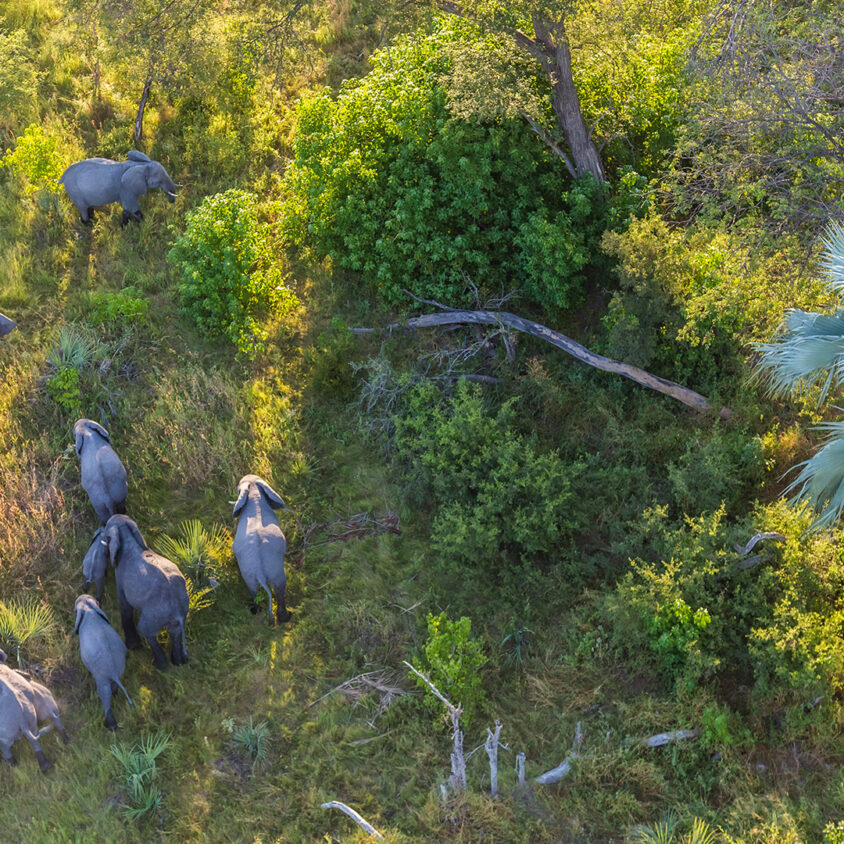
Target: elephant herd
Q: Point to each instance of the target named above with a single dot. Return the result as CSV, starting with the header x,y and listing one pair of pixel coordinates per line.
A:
x,y
148,585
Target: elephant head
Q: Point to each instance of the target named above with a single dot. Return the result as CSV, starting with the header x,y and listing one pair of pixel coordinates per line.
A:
x,y
146,176
121,531
85,604
264,489
83,426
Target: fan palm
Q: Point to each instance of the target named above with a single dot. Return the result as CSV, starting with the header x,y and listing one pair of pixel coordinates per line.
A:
x,y
809,353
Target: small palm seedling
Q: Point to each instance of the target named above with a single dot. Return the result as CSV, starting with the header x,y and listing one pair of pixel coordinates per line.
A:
x,y
202,554
22,622
665,832
250,738
516,645
74,349
139,773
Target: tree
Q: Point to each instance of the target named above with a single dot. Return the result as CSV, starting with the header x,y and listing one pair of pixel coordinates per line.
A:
x,y
538,29
809,355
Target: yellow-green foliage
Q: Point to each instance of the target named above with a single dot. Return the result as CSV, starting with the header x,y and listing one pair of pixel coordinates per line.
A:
x,y
38,158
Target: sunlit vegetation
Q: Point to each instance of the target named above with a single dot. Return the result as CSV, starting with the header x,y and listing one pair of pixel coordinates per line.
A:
x,y
555,547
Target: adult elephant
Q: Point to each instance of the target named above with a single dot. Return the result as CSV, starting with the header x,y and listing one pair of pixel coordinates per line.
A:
x,y
101,181
103,475
151,584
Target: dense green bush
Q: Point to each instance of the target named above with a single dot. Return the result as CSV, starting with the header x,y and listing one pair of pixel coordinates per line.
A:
x,y
495,497
229,279
37,159
771,622
389,184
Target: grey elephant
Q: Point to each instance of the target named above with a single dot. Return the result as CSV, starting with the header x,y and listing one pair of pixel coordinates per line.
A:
x,y
101,181
259,544
18,718
151,584
103,475
103,652
44,702
7,326
95,563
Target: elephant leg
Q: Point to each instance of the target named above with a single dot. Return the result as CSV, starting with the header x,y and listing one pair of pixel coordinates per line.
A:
x,y
127,619
253,607
104,691
90,215
281,611
124,219
43,762
158,655
8,756
178,653
138,215
270,599
57,722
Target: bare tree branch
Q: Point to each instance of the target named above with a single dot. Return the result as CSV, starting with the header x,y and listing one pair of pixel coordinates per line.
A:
x,y
364,825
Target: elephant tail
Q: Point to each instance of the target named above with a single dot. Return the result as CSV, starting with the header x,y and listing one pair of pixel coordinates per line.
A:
x,y
123,689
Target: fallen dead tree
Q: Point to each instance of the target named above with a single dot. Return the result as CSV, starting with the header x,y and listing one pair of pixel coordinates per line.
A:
x,y
354,527
449,316
347,810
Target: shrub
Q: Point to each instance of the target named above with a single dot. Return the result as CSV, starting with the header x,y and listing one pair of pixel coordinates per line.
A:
x,y
228,277
250,738
24,621
37,159
390,184
495,498
125,307
454,661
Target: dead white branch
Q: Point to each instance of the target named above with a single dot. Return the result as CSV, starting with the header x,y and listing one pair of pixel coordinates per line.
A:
x,y
564,768
561,341
759,538
665,738
492,751
520,769
347,810
458,760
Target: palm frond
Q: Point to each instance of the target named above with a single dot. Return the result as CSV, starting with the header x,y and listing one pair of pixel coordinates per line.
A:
x,y
202,552
833,260
810,352
700,833
820,482
22,621
661,832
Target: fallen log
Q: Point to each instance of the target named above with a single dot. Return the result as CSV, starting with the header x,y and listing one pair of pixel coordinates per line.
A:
x,y
347,810
555,338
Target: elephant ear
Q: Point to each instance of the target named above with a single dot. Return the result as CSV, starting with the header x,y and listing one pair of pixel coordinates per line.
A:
x,y
80,441
101,614
273,498
112,540
242,494
134,180
136,533
134,155
98,429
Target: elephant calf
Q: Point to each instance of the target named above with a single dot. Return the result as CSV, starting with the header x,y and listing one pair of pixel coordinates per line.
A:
x,y
103,475
18,717
95,563
101,181
151,584
103,652
259,544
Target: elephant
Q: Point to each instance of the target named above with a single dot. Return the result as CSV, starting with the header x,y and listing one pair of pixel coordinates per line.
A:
x,y
259,544
95,563
7,326
151,584
18,717
103,475
103,652
44,702
100,181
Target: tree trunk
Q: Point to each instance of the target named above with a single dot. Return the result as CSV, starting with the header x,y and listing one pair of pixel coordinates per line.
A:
x,y
584,153
138,131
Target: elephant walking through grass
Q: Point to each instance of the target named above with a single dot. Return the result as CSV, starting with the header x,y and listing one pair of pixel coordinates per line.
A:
x,y
103,475
259,543
151,584
103,653
100,181
18,717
